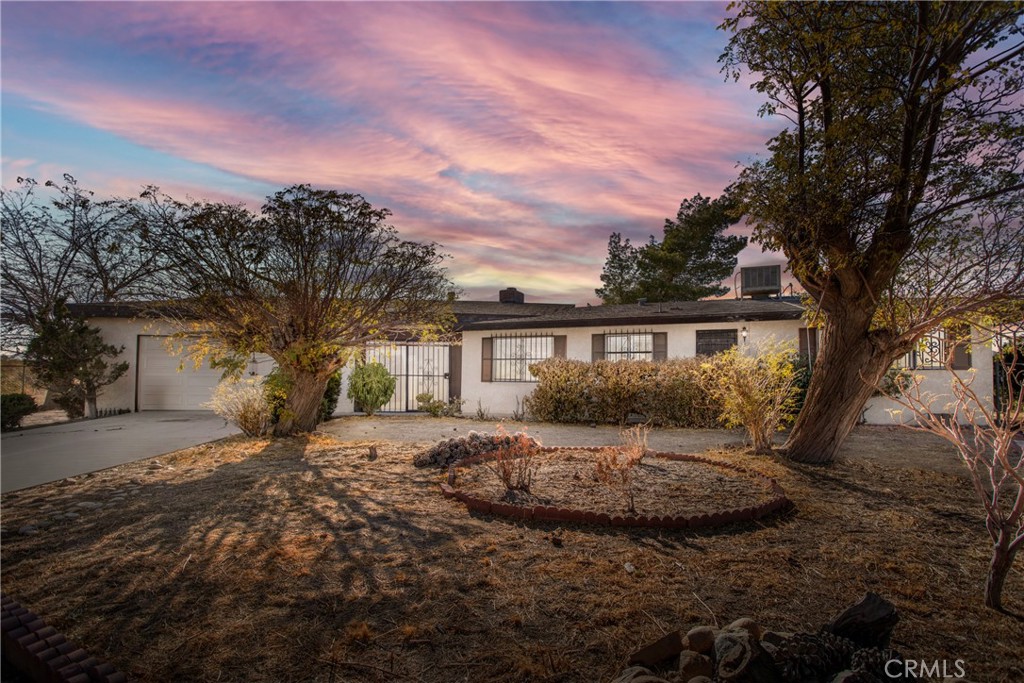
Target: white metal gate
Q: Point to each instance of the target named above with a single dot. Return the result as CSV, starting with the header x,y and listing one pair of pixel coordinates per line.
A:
x,y
418,368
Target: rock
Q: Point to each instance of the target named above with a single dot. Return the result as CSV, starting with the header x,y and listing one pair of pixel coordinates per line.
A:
x,y
88,505
693,664
629,568
776,638
71,515
869,623
746,624
700,639
28,530
848,676
739,658
700,679
666,647
638,674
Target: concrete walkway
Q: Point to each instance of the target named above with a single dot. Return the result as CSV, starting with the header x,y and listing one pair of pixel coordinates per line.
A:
x,y
43,454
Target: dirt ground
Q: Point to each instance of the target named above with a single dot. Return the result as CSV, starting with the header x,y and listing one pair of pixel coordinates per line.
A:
x,y
887,445
301,560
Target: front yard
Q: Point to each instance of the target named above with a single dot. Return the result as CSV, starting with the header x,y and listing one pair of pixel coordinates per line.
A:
x,y
299,559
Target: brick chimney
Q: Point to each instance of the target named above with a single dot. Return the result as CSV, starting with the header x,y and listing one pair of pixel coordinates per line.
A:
x,y
511,296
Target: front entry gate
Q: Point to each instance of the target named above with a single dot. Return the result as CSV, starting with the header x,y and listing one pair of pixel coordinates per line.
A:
x,y
418,368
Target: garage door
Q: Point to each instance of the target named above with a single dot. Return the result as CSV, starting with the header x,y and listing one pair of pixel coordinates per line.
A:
x,y
163,387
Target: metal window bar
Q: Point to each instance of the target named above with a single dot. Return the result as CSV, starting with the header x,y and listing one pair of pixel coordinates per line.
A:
x,y
418,368
512,356
929,353
710,342
631,345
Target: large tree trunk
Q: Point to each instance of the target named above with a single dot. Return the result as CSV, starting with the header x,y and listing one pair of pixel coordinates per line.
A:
x,y
302,407
91,410
849,364
999,568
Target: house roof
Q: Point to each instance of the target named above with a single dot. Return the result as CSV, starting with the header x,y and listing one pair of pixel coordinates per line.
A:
x,y
466,312
720,310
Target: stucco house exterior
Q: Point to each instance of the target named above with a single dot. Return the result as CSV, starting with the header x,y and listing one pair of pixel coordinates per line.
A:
x,y
488,367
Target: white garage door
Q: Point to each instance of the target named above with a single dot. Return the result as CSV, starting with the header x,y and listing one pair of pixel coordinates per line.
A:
x,y
163,387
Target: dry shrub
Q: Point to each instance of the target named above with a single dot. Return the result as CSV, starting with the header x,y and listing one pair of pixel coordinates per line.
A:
x,y
513,462
243,403
615,466
666,392
677,398
757,388
563,391
984,433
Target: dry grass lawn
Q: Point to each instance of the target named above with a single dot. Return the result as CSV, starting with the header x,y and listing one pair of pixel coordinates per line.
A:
x,y
299,560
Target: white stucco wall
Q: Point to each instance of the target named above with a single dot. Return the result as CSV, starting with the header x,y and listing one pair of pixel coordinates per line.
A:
x,y
936,385
499,398
126,332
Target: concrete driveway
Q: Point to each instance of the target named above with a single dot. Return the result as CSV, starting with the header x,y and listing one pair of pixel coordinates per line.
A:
x,y
44,454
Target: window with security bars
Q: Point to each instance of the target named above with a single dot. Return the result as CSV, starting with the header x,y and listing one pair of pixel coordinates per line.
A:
x,y
710,342
508,359
630,346
933,349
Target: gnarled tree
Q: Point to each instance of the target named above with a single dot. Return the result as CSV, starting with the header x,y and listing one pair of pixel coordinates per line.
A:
x,y
896,192
313,277
61,244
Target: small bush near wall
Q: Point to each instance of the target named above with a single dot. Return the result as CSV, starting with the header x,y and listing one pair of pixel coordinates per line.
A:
x,y
371,386
665,392
14,408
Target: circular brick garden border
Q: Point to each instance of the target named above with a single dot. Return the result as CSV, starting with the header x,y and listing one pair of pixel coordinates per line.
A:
x,y
777,503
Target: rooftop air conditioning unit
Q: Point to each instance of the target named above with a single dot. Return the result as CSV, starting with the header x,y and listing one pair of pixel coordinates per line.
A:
x,y
761,281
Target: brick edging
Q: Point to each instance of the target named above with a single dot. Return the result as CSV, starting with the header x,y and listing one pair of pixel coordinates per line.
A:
x,y
43,654
778,502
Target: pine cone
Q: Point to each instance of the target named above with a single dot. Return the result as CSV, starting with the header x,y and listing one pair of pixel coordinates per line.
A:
x,y
810,658
873,660
848,676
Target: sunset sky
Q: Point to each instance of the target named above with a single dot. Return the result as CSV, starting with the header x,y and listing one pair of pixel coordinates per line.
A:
x,y
517,135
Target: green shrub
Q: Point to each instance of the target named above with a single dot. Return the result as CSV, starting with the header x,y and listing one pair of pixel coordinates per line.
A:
x,y
276,386
666,393
14,408
894,382
371,386
437,407
332,392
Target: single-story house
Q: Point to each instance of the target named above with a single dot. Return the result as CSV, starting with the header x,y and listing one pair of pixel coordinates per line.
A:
x,y
499,340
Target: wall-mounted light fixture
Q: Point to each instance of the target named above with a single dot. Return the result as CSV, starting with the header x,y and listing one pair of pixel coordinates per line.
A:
x,y
743,333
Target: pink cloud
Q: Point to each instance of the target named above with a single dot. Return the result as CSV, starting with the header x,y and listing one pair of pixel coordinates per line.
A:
x,y
484,126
